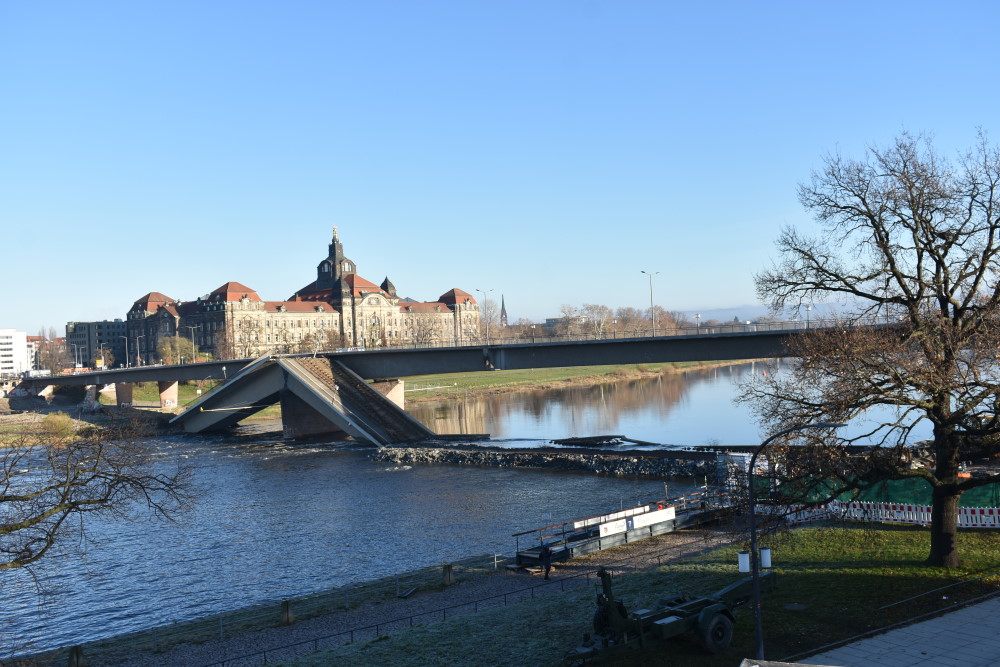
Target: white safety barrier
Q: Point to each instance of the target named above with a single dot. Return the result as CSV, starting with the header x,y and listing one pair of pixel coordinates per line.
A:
x,y
918,515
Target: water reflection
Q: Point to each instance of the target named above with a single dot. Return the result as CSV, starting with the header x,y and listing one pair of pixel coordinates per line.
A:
x,y
688,408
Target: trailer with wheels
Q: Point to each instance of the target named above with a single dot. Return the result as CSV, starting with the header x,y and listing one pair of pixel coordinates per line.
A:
x,y
617,632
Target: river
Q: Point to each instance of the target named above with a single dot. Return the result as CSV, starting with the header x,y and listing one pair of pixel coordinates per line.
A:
x,y
275,520
693,407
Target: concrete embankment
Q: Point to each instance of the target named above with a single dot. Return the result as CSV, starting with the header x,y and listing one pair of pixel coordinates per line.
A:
x,y
619,463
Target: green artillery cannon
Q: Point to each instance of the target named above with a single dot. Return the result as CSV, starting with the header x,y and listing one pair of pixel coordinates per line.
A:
x,y
618,632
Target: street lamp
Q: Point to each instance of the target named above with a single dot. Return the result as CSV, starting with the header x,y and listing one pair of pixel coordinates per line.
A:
x,y
484,293
532,333
652,315
126,350
194,354
138,351
76,357
614,328
808,308
754,556
697,321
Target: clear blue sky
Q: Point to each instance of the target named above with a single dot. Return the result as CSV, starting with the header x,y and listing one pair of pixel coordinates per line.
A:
x,y
548,150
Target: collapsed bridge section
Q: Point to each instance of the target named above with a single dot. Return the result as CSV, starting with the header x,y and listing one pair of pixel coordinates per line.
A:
x,y
319,396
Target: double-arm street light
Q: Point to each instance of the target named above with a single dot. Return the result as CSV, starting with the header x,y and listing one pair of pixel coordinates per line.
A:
x,y
194,354
487,318
754,555
652,315
138,351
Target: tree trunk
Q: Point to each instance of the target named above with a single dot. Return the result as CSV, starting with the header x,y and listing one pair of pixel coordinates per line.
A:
x,y
944,528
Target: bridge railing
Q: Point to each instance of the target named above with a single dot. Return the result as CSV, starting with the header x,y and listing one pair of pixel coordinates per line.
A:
x,y
546,335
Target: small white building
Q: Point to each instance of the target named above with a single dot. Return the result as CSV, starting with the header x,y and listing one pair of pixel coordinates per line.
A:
x,y
15,353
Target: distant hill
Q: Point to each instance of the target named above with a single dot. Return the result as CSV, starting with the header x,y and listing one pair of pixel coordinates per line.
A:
x,y
742,313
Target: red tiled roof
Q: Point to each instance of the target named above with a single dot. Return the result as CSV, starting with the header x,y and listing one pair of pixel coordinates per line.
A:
x,y
233,291
456,295
359,285
151,301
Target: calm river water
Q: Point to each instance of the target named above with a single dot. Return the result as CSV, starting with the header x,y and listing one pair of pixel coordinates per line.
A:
x,y
276,520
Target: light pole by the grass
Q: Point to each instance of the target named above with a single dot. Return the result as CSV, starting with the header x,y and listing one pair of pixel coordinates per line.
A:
x,y
126,350
754,555
652,315
487,318
194,352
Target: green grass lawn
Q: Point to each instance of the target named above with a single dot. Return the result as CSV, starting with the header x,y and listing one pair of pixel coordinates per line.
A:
x,y
432,387
848,579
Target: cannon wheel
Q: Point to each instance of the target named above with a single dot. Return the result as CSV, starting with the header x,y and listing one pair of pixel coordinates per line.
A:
x,y
718,634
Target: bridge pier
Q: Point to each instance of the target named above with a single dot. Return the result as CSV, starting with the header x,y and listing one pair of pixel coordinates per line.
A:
x,y
392,390
301,420
123,394
168,393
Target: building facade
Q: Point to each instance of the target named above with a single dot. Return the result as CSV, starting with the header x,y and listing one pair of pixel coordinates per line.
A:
x,y
97,344
16,354
338,309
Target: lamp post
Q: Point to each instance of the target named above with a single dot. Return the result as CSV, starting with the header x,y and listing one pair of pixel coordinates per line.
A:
x,y
532,333
652,315
808,308
194,353
754,556
697,322
126,350
484,293
138,351
76,357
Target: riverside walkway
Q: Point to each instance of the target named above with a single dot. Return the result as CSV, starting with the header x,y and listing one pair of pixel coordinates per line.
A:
x,y
967,637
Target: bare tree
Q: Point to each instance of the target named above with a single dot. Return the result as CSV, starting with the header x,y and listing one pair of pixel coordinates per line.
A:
x,y
52,353
631,321
489,316
913,238
598,318
52,476
426,329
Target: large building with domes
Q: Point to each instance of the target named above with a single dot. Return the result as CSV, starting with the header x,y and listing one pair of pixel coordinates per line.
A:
x,y
339,309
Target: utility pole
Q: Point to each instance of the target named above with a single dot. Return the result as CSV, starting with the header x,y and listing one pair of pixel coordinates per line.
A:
x,y
652,315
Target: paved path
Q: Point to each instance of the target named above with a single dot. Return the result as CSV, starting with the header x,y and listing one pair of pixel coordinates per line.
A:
x,y
969,637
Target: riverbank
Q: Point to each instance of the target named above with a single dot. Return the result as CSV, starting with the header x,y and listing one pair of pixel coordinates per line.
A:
x,y
835,583
376,611
427,388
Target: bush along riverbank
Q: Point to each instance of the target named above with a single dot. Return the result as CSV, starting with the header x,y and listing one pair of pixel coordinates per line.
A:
x,y
658,464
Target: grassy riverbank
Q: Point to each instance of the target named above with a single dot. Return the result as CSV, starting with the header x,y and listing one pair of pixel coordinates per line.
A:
x,y
834,583
437,387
